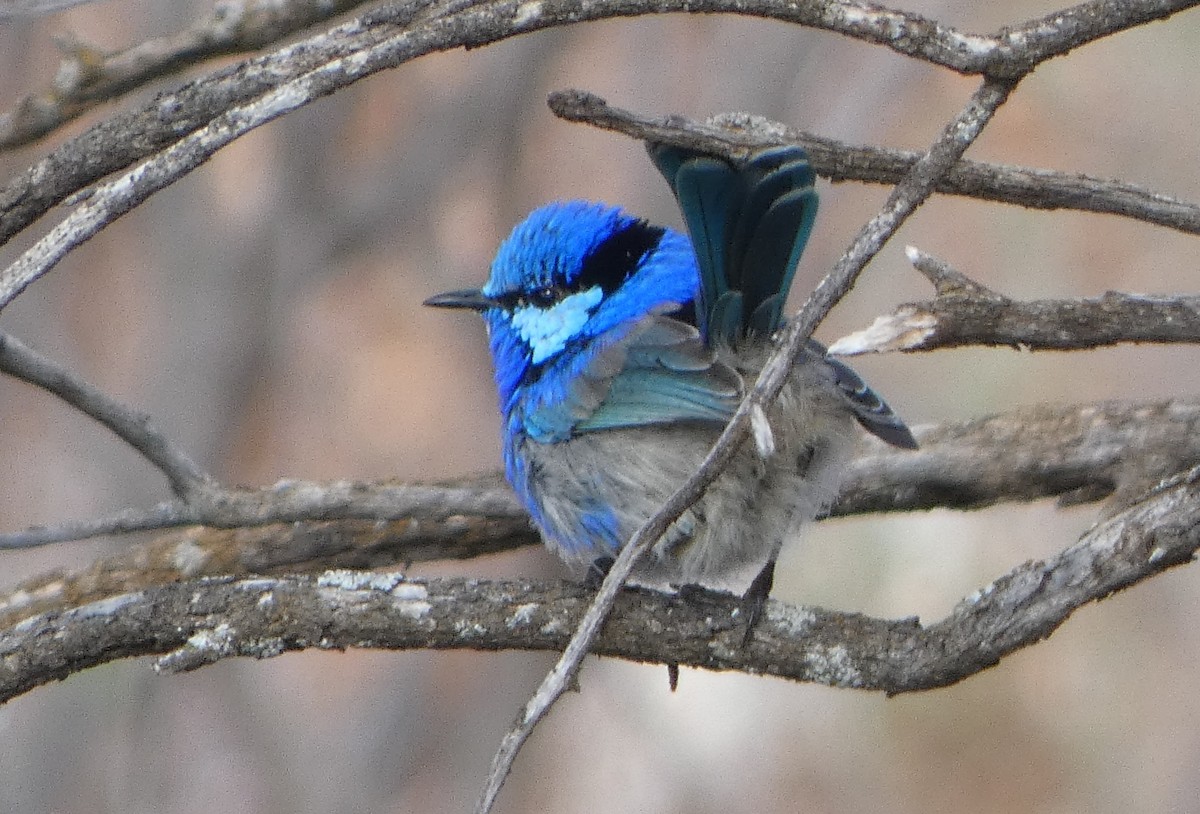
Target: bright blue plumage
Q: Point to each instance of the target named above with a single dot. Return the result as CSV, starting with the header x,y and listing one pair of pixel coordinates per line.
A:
x,y
622,348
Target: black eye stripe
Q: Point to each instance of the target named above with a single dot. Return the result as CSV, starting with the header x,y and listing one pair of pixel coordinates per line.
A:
x,y
610,264
544,297
540,297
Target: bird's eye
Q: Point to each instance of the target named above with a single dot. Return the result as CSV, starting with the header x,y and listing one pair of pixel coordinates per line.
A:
x,y
542,297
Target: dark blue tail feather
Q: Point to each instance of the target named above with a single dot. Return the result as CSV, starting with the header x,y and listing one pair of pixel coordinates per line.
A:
x,y
749,222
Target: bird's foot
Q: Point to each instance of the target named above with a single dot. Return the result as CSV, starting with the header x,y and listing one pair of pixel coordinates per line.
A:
x,y
597,571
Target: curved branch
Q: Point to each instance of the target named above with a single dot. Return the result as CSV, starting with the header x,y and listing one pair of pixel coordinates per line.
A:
x,y
838,161
185,477
87,77
190,624
135,136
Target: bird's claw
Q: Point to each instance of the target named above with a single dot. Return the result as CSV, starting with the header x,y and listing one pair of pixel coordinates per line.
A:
x,y
597,571
754,601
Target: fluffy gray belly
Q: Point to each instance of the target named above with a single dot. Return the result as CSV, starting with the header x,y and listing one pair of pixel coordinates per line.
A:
x,y
624,475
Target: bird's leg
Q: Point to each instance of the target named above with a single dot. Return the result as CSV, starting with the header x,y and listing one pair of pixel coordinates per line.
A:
x,y
597,571
754,601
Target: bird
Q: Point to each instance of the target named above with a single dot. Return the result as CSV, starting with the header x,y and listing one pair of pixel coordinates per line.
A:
x,y
622,348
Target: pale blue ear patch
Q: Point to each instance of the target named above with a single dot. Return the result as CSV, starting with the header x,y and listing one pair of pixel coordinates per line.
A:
x,y
548,330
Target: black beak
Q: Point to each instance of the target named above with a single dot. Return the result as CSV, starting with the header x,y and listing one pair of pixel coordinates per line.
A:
x,y
471,298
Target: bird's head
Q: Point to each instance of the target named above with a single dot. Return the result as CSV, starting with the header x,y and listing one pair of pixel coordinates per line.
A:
x,y
571,279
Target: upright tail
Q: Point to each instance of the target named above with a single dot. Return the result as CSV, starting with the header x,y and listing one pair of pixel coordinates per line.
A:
x,y
749,222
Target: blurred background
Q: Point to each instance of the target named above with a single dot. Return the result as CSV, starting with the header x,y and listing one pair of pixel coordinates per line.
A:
x,y
267,311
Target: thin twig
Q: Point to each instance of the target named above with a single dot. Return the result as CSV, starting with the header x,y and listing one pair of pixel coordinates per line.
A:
x,y
185,477
903,201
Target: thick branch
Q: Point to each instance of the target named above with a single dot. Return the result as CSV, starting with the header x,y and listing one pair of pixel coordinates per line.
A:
x,y
1073,453
439,509
191,624
1076,453
1027,45
966,313
87,77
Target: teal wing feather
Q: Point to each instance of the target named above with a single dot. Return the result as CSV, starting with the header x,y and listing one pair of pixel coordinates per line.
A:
x,y
868,407
668,375
749,221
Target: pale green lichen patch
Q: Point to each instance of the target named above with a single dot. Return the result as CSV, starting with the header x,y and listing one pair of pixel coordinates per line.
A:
x,y
103,607
833,666
522,615
349,580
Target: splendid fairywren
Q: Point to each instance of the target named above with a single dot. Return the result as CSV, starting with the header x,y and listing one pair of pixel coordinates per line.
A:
x,y
622,348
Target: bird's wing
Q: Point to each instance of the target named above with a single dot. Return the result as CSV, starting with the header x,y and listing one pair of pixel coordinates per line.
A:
x,y
665,374
872,412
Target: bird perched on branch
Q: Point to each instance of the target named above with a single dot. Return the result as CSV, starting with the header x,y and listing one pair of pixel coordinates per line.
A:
x,y
621,349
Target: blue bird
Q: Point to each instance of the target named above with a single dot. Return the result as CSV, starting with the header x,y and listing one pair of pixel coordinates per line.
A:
x,y
621,349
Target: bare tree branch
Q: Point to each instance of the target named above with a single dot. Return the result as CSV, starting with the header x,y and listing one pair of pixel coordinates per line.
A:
x,y
437,513
838,161
190,624
438,510
1025,46
1074,453
966,313
185,477
1077,453
136,136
